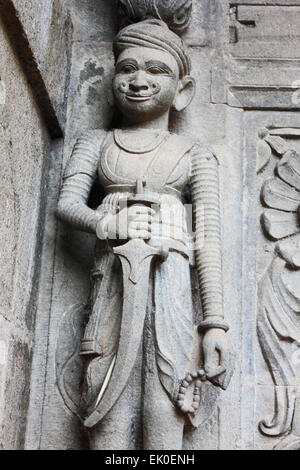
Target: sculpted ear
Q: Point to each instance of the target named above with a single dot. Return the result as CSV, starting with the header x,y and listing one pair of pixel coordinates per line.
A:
x,y
185,94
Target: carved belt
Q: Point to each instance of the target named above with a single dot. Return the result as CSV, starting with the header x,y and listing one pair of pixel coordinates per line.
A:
x,y
120,188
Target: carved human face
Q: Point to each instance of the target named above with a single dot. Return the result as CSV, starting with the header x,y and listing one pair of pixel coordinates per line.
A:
x,y
145,83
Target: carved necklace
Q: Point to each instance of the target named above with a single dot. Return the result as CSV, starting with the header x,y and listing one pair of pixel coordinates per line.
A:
x,y
139,145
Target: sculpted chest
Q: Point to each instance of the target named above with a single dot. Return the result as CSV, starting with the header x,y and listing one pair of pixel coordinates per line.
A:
x,y
127,157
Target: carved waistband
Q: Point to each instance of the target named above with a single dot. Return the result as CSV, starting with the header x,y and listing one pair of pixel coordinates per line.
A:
x,y
132,189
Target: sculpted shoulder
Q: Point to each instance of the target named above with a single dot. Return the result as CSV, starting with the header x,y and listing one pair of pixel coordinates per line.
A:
x,y
86,153
201,151
92,137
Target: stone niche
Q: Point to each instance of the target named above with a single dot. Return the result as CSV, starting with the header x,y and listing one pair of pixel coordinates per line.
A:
x,y
245,60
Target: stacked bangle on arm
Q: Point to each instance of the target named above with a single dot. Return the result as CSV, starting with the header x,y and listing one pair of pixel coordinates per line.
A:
x,y
213,323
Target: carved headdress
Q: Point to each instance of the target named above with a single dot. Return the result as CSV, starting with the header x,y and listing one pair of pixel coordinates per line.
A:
x,y
176,13
154,34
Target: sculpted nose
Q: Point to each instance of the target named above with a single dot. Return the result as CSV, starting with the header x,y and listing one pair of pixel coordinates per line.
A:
x,y
139,83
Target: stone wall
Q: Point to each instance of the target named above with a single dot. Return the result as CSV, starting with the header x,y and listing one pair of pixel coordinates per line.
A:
x,y
246,59
25,145
27,151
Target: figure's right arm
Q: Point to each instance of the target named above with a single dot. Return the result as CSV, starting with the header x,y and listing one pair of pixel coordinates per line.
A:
x,y
79,176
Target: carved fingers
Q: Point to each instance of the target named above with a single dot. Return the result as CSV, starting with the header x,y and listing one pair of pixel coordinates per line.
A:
x,y
140,219
139,230
211,356
219,357
130,223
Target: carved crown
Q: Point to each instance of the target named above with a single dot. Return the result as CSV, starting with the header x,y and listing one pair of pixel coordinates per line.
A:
x,y
176,13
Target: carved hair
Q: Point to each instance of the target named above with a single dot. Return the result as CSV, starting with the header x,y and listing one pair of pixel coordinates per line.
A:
x,y
154,34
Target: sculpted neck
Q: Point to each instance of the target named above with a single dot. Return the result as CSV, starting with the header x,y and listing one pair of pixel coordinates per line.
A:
x,y
161,123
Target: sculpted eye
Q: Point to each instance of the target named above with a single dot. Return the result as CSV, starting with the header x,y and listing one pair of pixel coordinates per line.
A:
x,y
156,71
129,68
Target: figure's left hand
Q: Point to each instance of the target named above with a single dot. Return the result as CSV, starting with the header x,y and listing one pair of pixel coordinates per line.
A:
x,y
218,353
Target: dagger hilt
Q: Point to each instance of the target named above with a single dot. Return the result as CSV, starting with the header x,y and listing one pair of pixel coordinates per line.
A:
x,y
143,196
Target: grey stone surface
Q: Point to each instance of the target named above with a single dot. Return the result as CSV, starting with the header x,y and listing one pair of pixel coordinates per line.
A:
x,y
24,146
245,59
94,20
49,29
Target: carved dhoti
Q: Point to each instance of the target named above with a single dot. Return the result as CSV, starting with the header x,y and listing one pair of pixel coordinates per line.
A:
x,y
170,315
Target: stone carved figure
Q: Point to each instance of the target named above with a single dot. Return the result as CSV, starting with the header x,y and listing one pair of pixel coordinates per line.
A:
x,y
153,365
279,293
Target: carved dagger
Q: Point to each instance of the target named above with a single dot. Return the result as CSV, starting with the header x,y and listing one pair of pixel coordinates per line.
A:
x,y
135,257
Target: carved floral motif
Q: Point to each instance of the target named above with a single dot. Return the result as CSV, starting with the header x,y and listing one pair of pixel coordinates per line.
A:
x,y
279,293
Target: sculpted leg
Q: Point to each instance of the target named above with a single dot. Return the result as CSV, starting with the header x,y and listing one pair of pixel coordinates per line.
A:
x,y
169,325
162,423
121,429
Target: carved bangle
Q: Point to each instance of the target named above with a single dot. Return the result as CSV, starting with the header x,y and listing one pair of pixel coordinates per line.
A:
x,y
206,324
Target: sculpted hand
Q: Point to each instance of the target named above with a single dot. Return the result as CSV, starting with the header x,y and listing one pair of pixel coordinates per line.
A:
x,y
218,353
140,219
130,223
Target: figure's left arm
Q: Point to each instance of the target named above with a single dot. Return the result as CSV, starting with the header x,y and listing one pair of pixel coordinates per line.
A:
x,y
217,349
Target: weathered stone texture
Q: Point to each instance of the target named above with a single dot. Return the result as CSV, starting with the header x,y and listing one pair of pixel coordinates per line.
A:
x,y
43,31
49,29
245,57
24,145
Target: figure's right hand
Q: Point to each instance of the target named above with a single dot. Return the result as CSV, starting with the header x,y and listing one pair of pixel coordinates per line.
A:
x,y
130,223
140,219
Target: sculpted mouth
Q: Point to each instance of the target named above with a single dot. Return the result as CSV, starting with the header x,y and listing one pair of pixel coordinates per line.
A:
x,y
139,98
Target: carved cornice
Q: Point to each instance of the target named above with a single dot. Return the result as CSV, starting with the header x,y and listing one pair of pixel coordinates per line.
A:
x,y
176,13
